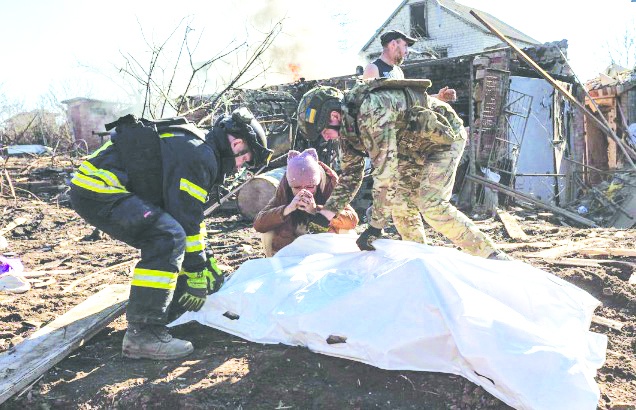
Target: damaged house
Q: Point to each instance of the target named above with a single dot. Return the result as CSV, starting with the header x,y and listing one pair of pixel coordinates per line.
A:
x,y
87,117
444,28
610,172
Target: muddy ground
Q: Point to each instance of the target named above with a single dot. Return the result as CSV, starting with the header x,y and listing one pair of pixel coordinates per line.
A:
x,y
225,372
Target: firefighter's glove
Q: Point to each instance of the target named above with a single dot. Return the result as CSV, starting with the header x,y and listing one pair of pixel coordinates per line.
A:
x,y
214,276
318,223
196,290
367,237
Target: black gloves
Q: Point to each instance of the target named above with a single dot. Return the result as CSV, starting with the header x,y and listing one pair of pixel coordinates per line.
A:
x,y
318,223
367,237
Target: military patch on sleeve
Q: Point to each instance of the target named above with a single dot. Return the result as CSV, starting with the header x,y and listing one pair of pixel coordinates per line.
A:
x,y
310,114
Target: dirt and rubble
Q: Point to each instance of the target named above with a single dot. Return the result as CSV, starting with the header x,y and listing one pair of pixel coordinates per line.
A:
x,y
226,372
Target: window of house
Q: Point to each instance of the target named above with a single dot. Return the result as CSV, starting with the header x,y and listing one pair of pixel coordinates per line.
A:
x,y
441,52
418,20
98,110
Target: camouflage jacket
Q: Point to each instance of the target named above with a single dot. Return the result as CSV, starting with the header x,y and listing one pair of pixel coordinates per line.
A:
x,y
388,128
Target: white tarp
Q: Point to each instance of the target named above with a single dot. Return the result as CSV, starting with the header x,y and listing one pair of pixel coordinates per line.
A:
x,y
519,332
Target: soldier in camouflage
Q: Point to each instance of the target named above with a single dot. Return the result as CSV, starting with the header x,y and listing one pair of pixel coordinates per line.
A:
x,y
415,144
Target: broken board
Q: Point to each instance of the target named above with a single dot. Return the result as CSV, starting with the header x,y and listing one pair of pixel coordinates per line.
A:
x,y
572,247
46,347
607,252
512,226
613,324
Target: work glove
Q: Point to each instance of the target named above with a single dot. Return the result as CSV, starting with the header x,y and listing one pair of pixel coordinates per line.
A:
x,y
367,237
200,284
318,223
215,278
196,290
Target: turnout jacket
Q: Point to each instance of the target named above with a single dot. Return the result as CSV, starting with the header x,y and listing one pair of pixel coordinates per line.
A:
x,y
190,167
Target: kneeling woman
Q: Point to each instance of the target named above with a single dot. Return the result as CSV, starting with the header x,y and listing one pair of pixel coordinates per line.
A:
x,y
303,190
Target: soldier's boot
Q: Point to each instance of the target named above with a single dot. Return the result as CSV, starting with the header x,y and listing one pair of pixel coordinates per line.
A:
x,y
500,256
144,341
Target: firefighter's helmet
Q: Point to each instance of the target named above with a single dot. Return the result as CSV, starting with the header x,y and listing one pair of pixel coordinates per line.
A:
x,y
243,125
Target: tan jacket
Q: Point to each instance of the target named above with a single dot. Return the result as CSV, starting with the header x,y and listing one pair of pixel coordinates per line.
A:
x,y
285,229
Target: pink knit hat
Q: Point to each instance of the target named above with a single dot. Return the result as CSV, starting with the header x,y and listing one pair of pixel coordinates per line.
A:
x,y
303,168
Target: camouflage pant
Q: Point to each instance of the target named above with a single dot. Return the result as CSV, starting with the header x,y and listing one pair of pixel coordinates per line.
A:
x,y
415,168
426,190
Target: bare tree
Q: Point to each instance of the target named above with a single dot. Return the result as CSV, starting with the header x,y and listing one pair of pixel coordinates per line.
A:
x,y
622,50
173,72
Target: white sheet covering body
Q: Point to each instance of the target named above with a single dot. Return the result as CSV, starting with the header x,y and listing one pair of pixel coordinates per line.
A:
x,y
519,332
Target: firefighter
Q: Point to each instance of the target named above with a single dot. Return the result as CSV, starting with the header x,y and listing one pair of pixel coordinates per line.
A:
x,y
148,186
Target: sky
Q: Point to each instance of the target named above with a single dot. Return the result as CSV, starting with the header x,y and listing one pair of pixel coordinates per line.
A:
x,y
75,48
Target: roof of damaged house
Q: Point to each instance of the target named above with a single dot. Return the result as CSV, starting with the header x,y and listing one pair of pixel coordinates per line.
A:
x,y
612,76
462,12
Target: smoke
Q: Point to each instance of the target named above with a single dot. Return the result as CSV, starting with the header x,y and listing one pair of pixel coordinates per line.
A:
x,y
310,44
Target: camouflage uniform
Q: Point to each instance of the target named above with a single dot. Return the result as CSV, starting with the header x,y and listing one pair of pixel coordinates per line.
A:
x,y
415,153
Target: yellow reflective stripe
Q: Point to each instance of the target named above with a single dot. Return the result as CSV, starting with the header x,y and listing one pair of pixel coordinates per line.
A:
x,y
157,279
96,185
155,285
154,273
100,149
171,134
195,243
193,189
108,177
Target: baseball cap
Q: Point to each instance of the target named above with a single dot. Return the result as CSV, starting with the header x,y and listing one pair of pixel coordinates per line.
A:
x,y
390,35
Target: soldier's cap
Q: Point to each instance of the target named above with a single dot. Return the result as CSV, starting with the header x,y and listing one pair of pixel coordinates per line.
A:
x,y
391,35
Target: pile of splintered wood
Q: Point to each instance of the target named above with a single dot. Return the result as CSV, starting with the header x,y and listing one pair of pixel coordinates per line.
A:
x,y
45,176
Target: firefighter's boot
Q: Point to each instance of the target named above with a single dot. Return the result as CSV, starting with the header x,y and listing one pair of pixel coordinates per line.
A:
x,y
145,341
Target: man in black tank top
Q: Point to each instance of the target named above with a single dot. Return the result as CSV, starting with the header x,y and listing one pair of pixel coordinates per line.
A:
x,y
387,70
395,46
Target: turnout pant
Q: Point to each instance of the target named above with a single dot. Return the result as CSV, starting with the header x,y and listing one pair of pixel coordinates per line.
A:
x,y
158,236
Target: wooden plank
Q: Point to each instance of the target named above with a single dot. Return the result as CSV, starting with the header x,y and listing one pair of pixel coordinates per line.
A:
x,y
512,226
527,198
613,324
595,263
39,273
573,262
517,245
99,272
607,252
559,251
49,345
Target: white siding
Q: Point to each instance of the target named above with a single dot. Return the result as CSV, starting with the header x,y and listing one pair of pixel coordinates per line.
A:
x,y
445,29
